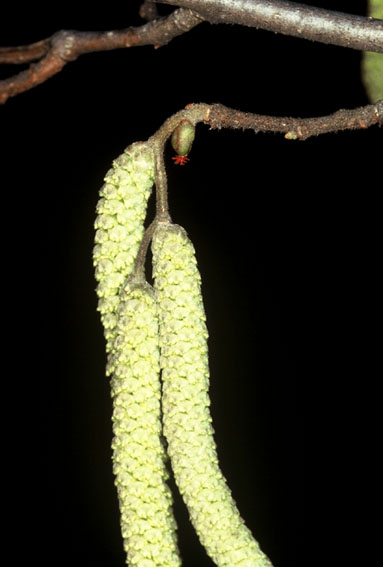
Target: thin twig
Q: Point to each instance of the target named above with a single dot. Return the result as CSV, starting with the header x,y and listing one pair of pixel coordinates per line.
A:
x,y
65,46
291,18
298,128
25,53
219,116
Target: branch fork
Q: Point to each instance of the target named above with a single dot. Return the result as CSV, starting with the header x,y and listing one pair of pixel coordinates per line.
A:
x,y
288,18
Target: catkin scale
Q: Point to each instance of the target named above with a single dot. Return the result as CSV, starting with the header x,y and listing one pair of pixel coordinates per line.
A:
x,y
185,404
147,523
119,225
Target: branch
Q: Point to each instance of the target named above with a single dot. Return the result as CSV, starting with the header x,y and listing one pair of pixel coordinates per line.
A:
x,y
298,128
288,18
64,46
291,18
219,116
24,53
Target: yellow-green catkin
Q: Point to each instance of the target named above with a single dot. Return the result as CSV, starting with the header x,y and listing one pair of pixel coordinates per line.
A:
x,y
186,417
147,523
119,225
372,63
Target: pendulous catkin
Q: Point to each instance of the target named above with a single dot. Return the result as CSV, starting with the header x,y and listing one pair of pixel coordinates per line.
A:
x,y
147,523
129,316
119,224
185,404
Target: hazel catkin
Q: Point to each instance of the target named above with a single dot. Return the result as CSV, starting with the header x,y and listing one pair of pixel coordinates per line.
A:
x,y
185,403
147,523
119,225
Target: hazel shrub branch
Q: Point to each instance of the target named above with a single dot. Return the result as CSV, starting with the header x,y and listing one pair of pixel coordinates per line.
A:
x,y
49,56
52,54
156,345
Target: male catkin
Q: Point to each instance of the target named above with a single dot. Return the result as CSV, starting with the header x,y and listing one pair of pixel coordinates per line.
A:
x,y
147,524
119,225
186,416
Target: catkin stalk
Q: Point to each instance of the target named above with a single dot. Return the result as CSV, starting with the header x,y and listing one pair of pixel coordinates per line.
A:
x,y
147,524
185,404
119,225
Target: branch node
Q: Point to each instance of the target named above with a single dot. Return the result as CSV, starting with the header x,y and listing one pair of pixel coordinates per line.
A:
x,y
63,43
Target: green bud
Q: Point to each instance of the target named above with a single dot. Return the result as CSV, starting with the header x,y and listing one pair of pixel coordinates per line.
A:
x,y
183,137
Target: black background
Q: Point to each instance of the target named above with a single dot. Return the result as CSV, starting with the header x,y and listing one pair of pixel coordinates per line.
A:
x,y
287,236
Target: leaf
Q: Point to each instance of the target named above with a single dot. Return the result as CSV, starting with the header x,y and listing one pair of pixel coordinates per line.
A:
x,y
372,63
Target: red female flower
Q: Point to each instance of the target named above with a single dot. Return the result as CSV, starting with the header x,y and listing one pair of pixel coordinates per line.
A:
x,y
180,160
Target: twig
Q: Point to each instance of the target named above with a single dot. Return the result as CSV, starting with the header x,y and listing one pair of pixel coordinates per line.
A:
x,y
291,18
25,53
288,18
65,46
219,116
298,128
